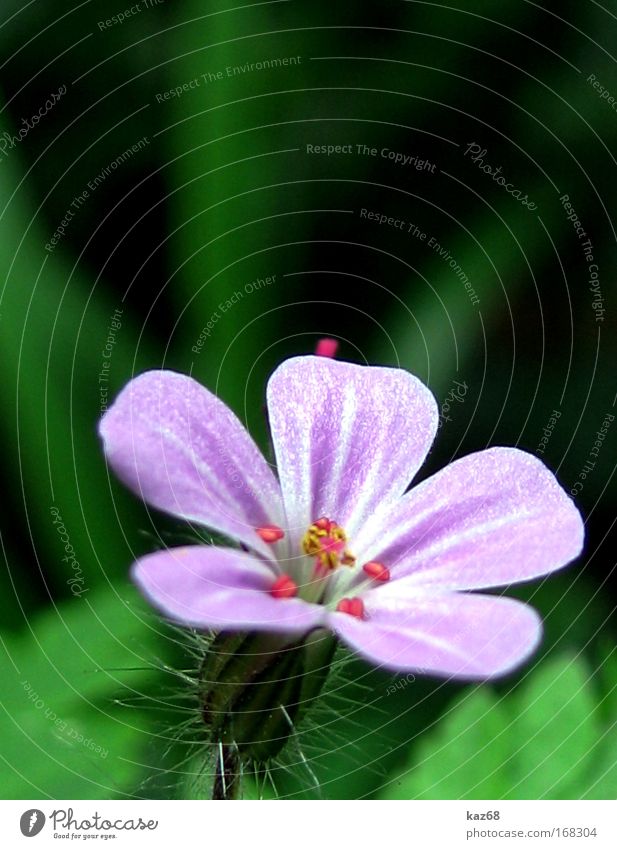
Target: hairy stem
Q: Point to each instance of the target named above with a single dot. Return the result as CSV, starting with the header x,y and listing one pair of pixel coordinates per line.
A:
x,y
227,778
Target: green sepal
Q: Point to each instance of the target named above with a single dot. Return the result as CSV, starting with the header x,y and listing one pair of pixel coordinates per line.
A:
x,y
255,688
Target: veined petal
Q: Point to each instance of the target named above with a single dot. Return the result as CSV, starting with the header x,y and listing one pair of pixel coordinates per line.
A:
x,y
182,450
489,519
220,589
456,634
347,437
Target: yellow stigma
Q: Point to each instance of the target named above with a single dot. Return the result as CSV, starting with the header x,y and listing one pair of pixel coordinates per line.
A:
x,y
325,540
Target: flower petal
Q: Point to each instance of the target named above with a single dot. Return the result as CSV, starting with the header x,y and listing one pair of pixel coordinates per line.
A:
x,y
457,634
490,519
220,589
183,451
347,437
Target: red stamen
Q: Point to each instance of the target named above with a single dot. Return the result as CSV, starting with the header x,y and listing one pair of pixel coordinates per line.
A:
x,y
343,605
352,606
270,533
376,571
284,587
326,348
323,524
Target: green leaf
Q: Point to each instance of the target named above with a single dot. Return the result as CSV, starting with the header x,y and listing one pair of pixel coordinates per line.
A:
x,y
603,776
554,729
607,668
464,757
72,718
542,739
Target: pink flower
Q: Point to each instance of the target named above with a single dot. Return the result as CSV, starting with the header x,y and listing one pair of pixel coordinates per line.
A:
x,y
336,541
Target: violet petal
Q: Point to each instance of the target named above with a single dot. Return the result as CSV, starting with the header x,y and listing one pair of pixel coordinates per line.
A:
x,y
347,437
489,519
456,634
182,450
223,589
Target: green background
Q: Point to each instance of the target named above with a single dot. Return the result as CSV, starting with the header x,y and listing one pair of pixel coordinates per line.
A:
x,y
98,699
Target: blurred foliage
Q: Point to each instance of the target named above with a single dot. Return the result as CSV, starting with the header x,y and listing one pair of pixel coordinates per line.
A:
x,y
544,741
222,193
79,694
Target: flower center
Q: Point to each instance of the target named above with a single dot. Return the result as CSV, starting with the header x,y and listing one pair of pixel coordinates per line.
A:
x,y
326,541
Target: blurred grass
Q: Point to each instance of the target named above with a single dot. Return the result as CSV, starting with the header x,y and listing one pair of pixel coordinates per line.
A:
x,y
54,327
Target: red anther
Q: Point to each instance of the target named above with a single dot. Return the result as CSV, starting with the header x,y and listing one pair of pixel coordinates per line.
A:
x,y
323,524
357,608
326,348
376,571
270,533
284,587
353,606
